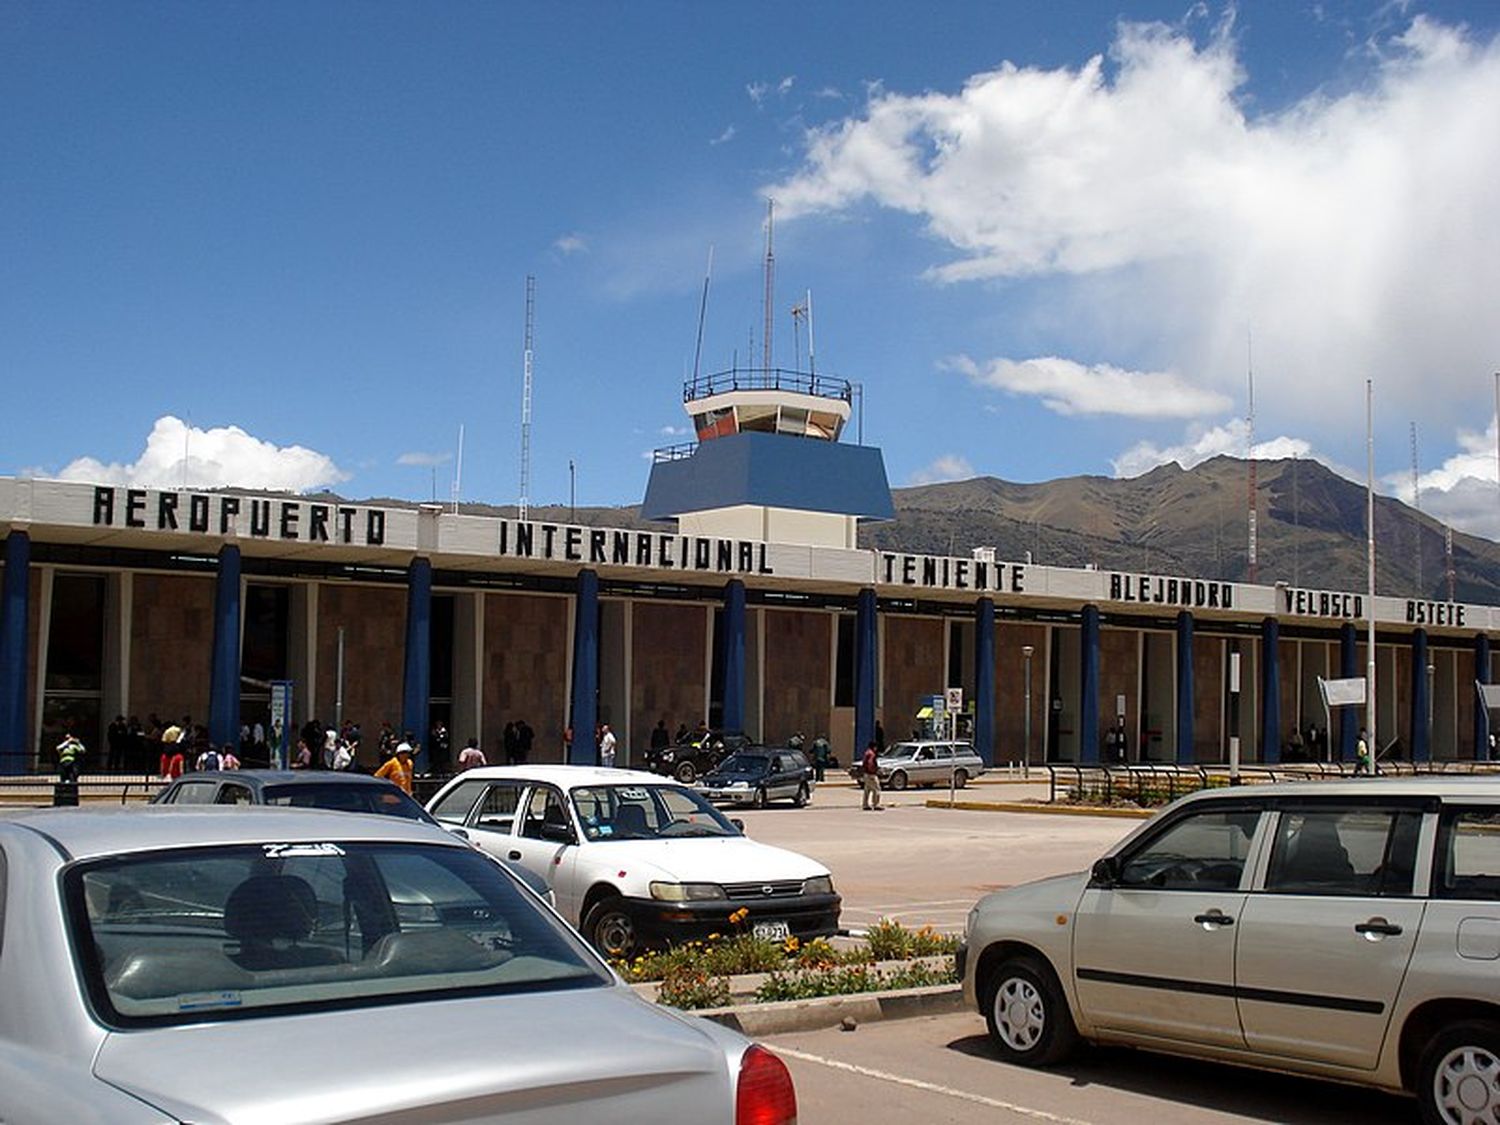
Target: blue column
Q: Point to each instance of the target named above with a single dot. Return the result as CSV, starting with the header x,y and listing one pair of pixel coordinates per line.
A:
x,y
734,655
585,702
1184,687
864,673
1481,712
15,616
1421,729
1270,691
984,680
224,677
416,688
1088,686
1348,670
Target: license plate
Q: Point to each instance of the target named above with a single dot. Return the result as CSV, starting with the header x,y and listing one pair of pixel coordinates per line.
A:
x,y
772,931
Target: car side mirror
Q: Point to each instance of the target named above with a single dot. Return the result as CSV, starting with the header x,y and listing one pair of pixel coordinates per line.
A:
x,y
1105,872
737,822
557,833
459,832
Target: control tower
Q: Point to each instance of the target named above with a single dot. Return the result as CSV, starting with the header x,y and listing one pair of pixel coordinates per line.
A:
x,y
768,464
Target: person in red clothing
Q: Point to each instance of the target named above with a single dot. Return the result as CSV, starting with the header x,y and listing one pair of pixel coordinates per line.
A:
x,y
172,761
399,768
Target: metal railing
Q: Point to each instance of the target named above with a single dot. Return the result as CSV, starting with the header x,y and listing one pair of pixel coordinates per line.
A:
x,y
45,789
767,379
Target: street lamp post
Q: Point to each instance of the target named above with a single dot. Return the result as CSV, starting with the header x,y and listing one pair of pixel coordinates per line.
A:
x,y
1026,651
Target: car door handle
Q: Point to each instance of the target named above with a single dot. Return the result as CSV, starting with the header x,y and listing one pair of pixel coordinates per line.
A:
x,y
1214,918
1377,926
514,855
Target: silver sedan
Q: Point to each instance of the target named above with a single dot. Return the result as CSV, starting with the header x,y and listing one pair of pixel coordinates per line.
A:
x,y
174,965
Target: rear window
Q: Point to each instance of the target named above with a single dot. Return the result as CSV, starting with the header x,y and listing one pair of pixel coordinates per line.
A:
x,y
239,932
385,799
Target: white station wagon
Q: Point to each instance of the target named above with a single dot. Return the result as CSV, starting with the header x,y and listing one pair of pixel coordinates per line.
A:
x,y
634,858
1343,929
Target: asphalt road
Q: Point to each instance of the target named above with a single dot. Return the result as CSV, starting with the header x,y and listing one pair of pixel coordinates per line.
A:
x,y
942,1069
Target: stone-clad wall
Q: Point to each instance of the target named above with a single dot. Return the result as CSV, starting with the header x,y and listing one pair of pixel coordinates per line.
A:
x,y
374,623
171,646
669,646
914,669
527,650
799,676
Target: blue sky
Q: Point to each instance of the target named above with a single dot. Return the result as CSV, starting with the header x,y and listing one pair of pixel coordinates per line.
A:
x,y
291,240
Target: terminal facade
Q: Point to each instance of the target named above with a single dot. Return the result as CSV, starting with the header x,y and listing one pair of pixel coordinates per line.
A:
x,y
753,608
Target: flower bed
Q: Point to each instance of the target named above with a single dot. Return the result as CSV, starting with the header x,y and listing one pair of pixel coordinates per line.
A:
x,y
741,968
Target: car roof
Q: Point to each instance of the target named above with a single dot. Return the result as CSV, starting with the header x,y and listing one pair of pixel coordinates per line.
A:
x,y
1456,786
82,833
284,777
565,777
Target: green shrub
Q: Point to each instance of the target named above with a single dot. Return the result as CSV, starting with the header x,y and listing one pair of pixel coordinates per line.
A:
x,y
891,941
687,988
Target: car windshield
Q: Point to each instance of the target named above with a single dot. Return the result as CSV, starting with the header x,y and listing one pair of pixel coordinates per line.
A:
x,y
244,931
901,750
647,812
347,798
752,764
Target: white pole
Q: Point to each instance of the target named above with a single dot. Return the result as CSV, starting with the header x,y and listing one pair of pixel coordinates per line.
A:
x,y
812,351
338,698
1370,711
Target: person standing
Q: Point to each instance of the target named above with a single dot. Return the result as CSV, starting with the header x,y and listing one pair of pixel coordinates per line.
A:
x,y
1362,762
438,744
606,747
661,738
343,757
400,767
820,756
796,742
69,755
508,742
869,775
172,761
470,756
525,736
118,737
228,759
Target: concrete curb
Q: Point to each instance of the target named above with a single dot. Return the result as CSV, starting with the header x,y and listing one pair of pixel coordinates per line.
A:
x,y
758,1020
1050,810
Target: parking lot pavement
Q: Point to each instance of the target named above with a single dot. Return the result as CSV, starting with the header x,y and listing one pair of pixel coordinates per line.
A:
x,y
924,866
942,1069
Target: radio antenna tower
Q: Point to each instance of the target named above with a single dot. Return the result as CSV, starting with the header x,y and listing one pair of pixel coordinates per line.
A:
x,y
458,469
1250,441
525,506
703,312
1416,502
769,304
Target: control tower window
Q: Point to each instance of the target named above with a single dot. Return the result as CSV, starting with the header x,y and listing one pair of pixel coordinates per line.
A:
x,y
793,421
714,423
761,419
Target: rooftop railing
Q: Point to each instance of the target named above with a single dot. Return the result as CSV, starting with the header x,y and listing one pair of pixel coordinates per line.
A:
x,y
767,379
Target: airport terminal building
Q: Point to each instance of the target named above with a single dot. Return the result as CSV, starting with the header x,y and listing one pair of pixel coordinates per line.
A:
x,y
751,608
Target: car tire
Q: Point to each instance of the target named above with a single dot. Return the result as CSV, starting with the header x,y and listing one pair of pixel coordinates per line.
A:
x,y
898,780
960,778
1456,1077
686,772
759,800
802,795
611,929
1027,1014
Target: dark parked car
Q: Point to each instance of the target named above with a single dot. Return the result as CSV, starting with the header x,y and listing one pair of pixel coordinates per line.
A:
x,y
687,761
308,789
757,776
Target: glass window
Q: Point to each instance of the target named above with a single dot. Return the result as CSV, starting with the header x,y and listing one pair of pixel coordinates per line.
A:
x,y
644,812
1344,852
244,931
544,814
793,421
1469,853
194,793
497,811
233,794
1202,851
761,419
454,805
345,797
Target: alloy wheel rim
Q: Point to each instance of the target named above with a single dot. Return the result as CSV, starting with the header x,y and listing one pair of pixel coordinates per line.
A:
x,y
1466,1086
616,935
1019,1013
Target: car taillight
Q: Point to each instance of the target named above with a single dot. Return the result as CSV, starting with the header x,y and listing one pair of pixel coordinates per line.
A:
x,y
765,1095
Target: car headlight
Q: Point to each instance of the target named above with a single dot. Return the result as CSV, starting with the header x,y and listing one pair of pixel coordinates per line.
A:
x,y
686,892
739,785
818,885
667,755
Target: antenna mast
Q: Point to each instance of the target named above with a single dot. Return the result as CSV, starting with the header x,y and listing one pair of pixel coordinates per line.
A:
x,y
1416,502
458,470
1250,374
769,299
525,505
703,311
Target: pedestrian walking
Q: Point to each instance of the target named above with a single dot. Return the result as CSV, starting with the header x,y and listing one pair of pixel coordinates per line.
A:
x,y
1362,761
208,759
606,747
869,775
400,768
820,753
70,753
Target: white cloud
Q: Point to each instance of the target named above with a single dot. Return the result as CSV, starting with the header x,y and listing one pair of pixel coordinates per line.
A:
x,y
573,243
757,91
1066,387
1229,439
723,138
425,459
1462,491
1355,233
948,467
784,87
178,455
676,431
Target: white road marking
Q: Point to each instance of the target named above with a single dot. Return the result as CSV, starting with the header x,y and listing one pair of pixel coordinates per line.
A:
x,y
932,1087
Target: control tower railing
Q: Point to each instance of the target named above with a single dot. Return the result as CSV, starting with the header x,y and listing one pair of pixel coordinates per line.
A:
x,y
767,379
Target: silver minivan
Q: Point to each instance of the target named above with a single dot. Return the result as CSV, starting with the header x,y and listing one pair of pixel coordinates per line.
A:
x,y
1343,929
927,763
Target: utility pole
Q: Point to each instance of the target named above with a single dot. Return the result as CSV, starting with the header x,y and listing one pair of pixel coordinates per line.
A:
x,y
1416,503
525,505
1253,563
768,302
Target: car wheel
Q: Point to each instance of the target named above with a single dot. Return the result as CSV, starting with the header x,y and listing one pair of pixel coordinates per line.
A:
x,y
1028,1017
960,778
612,930
1459,1079
898,780
800,800
759,801
685,772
